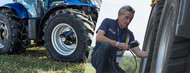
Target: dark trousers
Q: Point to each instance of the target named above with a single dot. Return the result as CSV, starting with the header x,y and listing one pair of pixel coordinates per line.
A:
x,y
103,62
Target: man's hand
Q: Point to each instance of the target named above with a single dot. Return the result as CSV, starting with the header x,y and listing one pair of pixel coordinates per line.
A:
x,y
123,46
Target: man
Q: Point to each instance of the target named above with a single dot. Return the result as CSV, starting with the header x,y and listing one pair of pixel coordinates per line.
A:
x,y
113,38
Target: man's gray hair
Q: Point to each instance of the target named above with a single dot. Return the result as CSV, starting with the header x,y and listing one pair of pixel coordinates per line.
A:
x,y
126,7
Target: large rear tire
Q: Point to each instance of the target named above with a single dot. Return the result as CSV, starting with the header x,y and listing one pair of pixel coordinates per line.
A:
x,y
74,23
10,33
150,36
171,53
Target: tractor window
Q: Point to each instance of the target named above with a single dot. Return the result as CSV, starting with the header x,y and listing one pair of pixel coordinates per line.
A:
x,y
45,4
30,6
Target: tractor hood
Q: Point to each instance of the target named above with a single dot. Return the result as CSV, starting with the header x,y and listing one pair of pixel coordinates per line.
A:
x,y
91,3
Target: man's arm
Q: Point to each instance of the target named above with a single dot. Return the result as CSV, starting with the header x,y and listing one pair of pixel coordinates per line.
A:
x,y
140,53
101,39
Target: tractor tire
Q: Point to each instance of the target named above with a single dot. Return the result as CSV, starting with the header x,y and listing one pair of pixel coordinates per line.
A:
x,y
10,32
150,35
171,53
81,26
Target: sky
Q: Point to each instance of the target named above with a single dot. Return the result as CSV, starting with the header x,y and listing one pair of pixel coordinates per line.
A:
x,y
109,9
2,2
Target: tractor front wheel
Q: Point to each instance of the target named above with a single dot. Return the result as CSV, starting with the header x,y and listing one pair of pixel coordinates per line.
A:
x,y
68,34
10,33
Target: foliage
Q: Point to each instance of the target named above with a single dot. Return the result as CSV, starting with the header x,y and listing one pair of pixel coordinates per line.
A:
x,y
129,64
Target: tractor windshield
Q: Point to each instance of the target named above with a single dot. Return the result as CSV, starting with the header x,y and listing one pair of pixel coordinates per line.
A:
x,y
33,7
30,6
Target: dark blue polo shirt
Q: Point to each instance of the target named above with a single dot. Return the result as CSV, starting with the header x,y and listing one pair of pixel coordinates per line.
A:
x,y
111,29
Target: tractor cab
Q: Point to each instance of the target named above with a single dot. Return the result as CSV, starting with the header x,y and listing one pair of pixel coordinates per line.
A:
x,y
35,8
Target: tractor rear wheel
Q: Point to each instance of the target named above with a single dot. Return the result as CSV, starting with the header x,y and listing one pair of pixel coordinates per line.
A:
x,y
170,52
10,33
68,35
150,36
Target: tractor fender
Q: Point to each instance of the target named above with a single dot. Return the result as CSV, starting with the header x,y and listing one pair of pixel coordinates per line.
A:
x,y
48,13
183,23
18,8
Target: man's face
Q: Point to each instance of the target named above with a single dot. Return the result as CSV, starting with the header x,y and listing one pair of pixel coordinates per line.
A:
x,y
125,19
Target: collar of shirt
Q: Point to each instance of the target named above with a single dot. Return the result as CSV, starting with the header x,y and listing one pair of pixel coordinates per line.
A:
x,y
117,25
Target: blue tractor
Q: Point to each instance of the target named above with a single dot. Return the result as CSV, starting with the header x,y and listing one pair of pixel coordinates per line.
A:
x,y
64,27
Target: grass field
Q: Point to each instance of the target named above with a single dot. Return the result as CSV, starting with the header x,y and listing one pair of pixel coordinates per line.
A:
x,y
89,68
35,60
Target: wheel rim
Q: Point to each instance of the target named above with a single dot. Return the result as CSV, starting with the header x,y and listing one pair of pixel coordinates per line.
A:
x,y
166,37
58,40
3,34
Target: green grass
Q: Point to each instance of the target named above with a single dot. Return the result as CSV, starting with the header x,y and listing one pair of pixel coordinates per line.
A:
x,y
36,60
89,68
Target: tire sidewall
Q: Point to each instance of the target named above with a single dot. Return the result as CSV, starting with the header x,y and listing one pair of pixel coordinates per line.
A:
x,y
159,36
150,36
172,36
